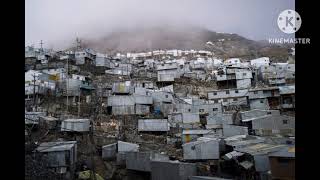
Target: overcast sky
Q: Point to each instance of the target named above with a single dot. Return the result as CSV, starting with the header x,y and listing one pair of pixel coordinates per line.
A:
x,y
58,22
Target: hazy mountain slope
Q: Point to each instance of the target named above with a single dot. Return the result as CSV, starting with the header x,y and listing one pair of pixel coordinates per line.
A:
x,y
173,37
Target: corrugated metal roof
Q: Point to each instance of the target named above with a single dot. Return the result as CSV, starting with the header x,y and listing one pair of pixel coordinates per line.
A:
x,y
287,89
245,142
196,131
56,146
260,148
206,178
236,137
77,120
264,88
288,151
200,141
35,113
232,154
214,126
255,118
49,118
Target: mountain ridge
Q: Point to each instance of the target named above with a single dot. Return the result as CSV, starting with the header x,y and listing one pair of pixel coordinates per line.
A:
x,y
225,45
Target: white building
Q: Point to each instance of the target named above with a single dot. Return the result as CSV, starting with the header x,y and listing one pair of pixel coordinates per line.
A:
x,y
263,61
235,62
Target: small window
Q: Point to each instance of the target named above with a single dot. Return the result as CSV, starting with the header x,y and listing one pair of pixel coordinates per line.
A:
x,y
261,101
167,96
289,67
225,100
285,121
293,74
201,110
236,91
268,112
215,101
215,93
280,68
255,92
227,92
215,109
189,110
244,74
235,99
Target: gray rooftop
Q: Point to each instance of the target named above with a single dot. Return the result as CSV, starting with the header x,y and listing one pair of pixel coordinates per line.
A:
x,y
264,88
206,178
287,89
76,120
260,148
56,146
288,151
196,131
49,118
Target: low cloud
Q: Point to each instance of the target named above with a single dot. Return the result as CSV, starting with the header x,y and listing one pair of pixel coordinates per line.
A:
x,y
59,22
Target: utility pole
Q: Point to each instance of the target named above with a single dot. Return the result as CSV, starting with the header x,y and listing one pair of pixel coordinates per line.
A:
x,y
78,43
34,90
79,103
67,83
93,172
48,97
91,134
41,43
128,71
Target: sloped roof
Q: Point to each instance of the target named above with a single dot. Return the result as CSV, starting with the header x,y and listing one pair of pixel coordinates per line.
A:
x,y
260,148
287,89
55,146
288,151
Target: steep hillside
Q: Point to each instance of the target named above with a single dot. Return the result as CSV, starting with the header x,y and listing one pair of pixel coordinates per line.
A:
x,y
173,37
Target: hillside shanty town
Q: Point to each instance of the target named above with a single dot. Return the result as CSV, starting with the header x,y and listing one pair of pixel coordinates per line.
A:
x,y
158,115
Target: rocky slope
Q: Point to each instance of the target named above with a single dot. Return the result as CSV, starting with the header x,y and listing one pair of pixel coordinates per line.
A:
x,y
173,37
